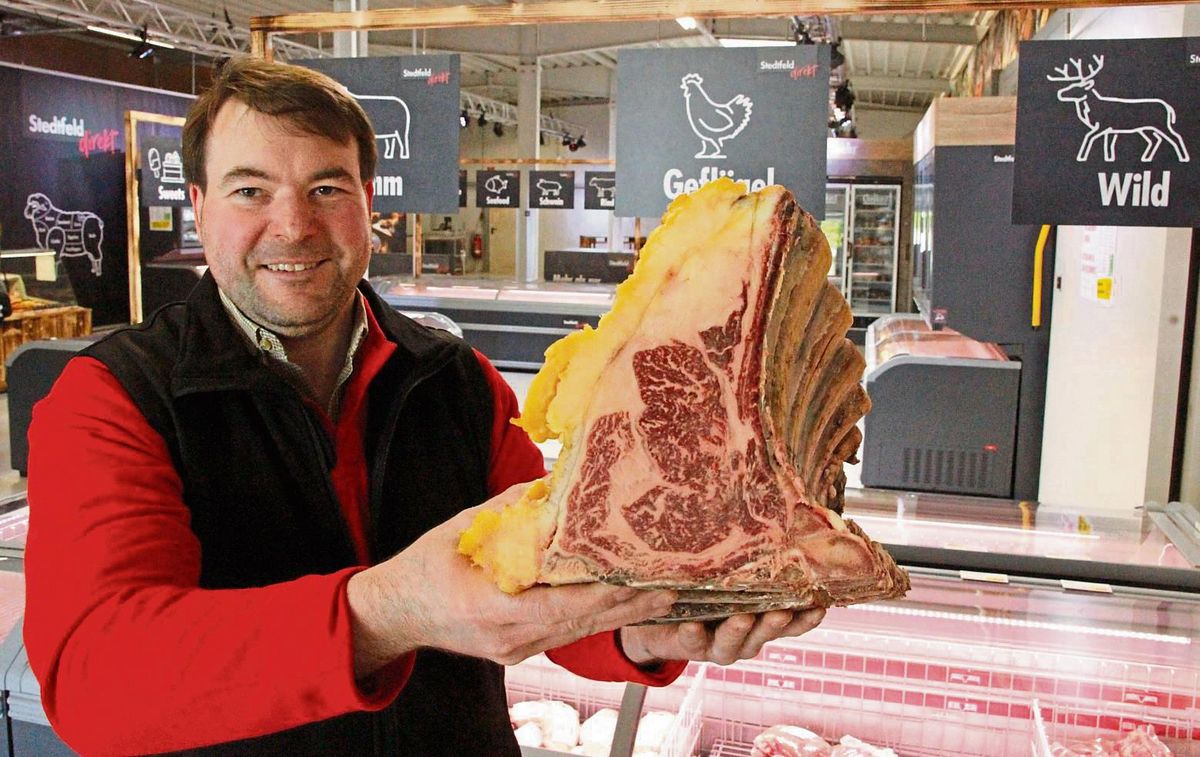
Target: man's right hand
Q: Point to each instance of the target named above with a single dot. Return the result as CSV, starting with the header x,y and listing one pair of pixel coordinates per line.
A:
x,y
431,596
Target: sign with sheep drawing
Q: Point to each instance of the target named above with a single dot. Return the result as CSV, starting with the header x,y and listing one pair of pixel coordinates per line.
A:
x,y
412,102
1106,132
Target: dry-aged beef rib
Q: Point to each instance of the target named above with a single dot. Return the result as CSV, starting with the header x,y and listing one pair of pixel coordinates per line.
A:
x,y
704,426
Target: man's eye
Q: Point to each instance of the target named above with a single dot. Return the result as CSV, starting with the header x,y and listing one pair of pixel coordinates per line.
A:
x,y
248,192
326,191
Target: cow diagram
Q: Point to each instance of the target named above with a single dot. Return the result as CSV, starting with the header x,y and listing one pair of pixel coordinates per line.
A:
x,y
605,186
168,168
391,119
495,185
1109,117
549,189
70,233
715,123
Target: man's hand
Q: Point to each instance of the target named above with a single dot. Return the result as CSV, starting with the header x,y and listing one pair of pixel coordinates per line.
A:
x,y
738,637
431,596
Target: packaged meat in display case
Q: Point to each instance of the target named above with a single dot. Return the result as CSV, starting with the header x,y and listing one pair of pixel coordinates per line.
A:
x,y
966,667
556,712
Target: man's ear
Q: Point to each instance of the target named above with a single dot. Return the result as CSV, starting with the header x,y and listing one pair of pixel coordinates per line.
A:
x,y
369,190
196,195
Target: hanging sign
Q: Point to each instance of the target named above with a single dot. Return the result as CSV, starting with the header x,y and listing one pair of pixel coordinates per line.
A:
x,y
161,181
412,101
497,189
686,117
1108,133
599,190
552,189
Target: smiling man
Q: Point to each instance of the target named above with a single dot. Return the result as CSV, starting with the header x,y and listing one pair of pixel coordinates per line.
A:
x,y
256,544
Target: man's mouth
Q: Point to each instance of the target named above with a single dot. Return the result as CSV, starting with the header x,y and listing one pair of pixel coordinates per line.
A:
x,y
291,267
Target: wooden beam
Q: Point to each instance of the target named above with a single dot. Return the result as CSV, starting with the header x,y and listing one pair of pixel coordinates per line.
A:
x,y
585,11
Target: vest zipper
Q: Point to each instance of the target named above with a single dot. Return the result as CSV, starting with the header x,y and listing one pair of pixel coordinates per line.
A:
x,y
385,446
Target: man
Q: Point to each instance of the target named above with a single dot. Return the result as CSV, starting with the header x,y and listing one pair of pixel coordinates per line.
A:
x,y
255,550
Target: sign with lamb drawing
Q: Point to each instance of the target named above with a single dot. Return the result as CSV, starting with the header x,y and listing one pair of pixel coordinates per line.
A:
x,y
1106,131
552,189
412,101
757,115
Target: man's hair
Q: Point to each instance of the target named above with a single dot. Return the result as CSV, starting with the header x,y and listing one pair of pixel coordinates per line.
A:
x,y
307,100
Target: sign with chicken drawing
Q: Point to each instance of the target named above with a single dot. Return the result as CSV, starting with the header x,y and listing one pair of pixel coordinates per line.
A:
x,y
685,117
1108,133
412,101
552,189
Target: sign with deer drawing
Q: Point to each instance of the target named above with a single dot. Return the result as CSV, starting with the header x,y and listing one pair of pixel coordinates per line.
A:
x,y
758,116
1106,130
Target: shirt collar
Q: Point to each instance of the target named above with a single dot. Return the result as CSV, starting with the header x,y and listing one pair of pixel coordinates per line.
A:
x,y
269,343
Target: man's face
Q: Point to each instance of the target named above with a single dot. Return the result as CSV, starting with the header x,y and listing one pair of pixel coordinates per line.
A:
x,y
284,220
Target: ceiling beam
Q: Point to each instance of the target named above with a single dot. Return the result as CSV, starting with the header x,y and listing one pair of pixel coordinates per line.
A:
x,y
586,11
881,31
899,84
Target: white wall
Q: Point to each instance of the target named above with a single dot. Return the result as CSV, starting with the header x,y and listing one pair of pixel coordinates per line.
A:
x,y
1114,371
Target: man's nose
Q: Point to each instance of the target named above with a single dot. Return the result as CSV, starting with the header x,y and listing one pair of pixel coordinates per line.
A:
x,y
292,217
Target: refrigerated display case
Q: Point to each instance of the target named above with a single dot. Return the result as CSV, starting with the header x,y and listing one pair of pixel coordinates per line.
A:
x,y
872,248
1070,628
837,212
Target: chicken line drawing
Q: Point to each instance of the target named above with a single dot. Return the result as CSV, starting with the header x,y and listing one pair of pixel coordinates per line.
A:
x,y
715,123
391,119
1109,117
70,233
495,185
549,189
605,186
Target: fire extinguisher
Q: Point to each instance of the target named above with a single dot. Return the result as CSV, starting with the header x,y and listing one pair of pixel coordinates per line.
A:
x,y
477,246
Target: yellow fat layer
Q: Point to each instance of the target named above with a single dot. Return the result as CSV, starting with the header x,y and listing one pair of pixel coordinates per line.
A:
x,y
509,544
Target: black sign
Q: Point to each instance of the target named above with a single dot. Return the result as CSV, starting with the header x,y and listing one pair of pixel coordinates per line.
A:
x,y
161,179
1108,133
412,101
63,142
599,190
552,189
497,189
462,188
686,117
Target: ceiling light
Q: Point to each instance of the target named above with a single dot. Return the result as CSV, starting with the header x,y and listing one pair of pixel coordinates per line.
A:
x,y
139,37
463,119
566,140
747,42
579,143
498,129
482,121
687,22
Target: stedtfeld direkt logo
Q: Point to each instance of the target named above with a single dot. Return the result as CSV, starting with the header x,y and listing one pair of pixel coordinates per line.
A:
x,y
714,123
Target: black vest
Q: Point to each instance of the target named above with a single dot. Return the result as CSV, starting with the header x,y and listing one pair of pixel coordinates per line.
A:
x,y
255,463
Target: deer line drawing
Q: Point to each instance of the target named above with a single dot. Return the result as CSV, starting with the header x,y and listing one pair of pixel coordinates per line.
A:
x,y
1109,117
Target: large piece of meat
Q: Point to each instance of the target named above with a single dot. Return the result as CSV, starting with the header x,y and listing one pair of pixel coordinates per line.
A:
x,y
704,425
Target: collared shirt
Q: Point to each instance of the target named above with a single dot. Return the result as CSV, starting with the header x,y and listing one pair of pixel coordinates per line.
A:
x,y
268,342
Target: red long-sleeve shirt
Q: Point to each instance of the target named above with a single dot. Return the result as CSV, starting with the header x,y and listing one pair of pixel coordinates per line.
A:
x,y
132,655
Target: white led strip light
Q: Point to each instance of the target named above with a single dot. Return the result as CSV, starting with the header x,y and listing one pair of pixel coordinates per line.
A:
x,y
1064,627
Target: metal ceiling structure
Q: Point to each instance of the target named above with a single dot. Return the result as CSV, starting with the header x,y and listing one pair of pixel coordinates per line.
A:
x,y
893,62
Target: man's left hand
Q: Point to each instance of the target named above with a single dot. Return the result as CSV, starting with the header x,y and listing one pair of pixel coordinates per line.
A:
x,y
738,637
